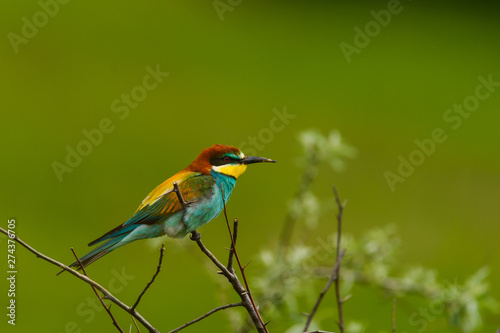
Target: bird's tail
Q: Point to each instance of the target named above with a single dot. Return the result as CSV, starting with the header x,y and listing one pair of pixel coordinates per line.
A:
x,y
98,252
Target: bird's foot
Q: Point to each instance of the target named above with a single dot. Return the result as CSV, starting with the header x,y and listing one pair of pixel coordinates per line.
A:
x,y
195,235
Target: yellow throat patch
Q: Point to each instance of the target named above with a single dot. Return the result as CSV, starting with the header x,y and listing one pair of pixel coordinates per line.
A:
x,y
231,169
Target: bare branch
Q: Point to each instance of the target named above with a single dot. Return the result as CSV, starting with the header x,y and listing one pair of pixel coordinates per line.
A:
x,y
231,251
335,276
136,326
158,268
260,322
245,294
340,213
246,297
97,294
227,306
235,282
86,279
179,195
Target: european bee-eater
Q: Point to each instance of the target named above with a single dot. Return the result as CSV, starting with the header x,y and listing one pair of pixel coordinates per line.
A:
x,y
182,203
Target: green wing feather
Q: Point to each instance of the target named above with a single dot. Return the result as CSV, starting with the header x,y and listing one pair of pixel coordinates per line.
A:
x,y
193,187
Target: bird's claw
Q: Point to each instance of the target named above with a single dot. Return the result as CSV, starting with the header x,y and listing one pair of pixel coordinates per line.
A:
x,y
195,235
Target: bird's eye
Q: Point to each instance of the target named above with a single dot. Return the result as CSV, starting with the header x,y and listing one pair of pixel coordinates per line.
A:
x,y
227,159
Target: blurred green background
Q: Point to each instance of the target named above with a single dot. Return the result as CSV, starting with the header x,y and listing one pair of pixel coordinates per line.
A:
x,y
227,72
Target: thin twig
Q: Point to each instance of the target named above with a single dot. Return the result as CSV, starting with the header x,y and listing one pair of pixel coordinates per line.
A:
x,y
97,294
334,277
340,213
158,268
242,269
179,195
231,251
136,326
394,315
82,277
227,306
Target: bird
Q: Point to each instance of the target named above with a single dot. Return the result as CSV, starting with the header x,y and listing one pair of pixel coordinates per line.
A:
x,y
181,204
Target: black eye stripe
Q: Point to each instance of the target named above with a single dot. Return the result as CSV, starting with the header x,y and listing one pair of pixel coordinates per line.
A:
x,y
216,161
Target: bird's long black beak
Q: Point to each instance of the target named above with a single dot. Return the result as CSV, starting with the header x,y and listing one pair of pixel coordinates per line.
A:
x,y
256,159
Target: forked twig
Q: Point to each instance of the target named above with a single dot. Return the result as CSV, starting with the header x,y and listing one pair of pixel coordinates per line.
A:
x,y
245,295
242,269
335,276
228,272
235,282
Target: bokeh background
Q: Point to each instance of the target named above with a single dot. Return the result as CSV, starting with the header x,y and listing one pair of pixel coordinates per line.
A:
x,y
228,70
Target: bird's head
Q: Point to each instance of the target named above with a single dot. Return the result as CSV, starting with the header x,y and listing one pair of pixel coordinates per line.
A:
x,y
227,160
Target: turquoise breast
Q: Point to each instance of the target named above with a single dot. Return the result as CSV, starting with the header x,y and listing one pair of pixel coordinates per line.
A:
x,y
208,208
